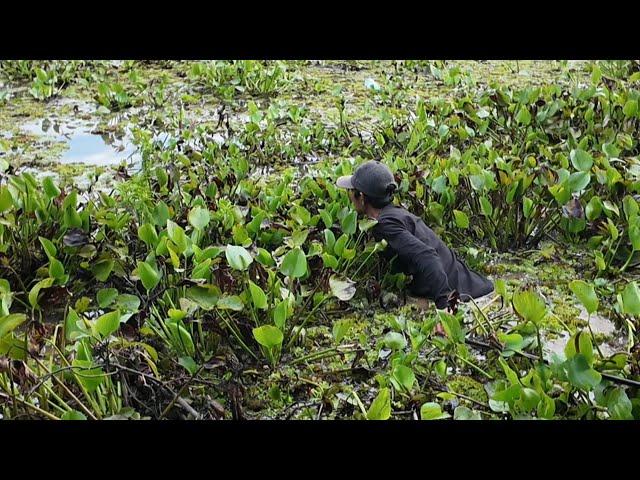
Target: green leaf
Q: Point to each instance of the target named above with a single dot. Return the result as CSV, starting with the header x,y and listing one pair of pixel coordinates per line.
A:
x,y
581,160
432,411
56,269
294,263
341,328
50,188
527,206
619,405
631,299
546,407
33,293
230,302
11,322
106,296
205,296
580,374
523,117
394,341
367,224
593,208
147,233
258,296
49,247
342,287
238,257
404,376
148,276
380,408
102,270
108,323
451,326
71,329
90,378
189,364
486,207
349,223
6,200
177,236
578,181
329,261
462,221
630,108
199,218
586,294
529,305
464,413
128,302
338,247
280,314
268,336
73,415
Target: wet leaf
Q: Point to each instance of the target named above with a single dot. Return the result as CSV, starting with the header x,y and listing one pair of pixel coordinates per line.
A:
x,y
294,263
380,408
148,276
586,294
106,296
258,296
529,305
432,411
342,287
268,336
238,257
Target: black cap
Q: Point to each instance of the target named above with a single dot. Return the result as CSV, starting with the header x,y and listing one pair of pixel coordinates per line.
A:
x,y
372,178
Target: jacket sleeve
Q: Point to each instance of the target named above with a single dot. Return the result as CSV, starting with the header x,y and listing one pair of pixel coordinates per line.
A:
x,y
430,279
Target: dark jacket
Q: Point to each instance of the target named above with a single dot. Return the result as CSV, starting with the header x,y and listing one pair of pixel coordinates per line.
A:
x,y
435,269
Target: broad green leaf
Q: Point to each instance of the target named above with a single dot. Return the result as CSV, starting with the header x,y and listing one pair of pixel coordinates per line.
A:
x,y
380,408
630,108
432,411
108,323
268,336
578,181
199,218
148,276
280,314
238,257
127,302
56,269
49,247
546,407
464,413
529,305
523,117
106,296
294,263
189,364
50,188
11,322
6,200
451,326
394,341
631,299
593,208
580,374
342,287
349,223
619,405
177,236
581,160
147,233
329,261
102,270
230,302
462,221
586,294
73,415
404,376
258,296
89,377
341,328
33,293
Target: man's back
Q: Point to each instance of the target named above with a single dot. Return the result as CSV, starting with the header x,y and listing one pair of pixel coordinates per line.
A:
x,y
421,253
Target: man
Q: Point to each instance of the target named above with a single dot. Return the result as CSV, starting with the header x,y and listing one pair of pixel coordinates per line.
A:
x,y
437,274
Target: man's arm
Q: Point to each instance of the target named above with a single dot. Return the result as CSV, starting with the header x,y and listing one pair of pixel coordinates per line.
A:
x,y
429,275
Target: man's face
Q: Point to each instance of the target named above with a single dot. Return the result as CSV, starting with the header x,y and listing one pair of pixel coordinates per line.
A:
x,y
358,202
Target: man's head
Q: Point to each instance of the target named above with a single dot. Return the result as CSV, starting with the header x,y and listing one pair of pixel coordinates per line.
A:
x,y
372,184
